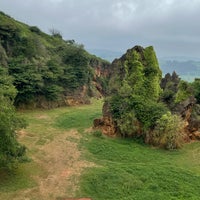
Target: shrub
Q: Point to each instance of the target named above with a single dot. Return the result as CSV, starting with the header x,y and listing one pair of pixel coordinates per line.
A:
x,y
184,91
11,152
35,29
168,131
129,125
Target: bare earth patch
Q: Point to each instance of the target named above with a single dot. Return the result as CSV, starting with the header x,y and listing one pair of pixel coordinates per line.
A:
x,y
60,160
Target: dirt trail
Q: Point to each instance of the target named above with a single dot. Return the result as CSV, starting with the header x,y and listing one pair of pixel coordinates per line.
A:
x,y
61,162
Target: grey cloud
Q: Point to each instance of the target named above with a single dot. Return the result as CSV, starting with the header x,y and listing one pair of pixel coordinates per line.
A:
x,y
169,25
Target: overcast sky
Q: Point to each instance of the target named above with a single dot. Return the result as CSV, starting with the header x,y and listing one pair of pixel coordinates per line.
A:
x,y
171,26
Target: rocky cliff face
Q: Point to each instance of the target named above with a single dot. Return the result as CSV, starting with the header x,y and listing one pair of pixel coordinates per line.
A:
x,y
101,76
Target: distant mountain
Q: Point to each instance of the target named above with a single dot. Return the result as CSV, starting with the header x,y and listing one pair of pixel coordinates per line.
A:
x,y
186,68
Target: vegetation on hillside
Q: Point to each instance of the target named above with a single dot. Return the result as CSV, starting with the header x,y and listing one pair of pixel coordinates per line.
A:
x,y
45,67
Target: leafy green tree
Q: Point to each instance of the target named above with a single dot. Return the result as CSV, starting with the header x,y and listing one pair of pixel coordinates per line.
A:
x,y
11,152
77,58
51,75
27,79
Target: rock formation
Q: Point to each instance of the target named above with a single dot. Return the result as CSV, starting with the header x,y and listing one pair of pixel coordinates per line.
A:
x,y
126,87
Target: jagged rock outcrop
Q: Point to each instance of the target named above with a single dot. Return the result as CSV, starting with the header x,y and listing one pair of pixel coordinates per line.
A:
x,y
101,76
141,104
118,69
188,109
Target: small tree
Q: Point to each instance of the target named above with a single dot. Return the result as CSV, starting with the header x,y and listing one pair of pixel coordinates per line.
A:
x,y
55,33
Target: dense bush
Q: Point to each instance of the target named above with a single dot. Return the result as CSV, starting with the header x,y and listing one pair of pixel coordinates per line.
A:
x,y
184,91
168,132
11,152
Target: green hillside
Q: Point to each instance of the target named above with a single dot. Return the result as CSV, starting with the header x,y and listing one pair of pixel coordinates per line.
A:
x,y
46,69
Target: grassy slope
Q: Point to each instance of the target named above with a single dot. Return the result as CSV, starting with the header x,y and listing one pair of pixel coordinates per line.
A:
x,y
131,171
125,169
128,170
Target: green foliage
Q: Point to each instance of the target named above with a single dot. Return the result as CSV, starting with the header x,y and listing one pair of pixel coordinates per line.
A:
x,y
52,92
168,96
152,73
76,57
27,80
35,29
129,125
69,79
103,81
44,67
140,107
26,46
184,91
148,112
134,106
10,150
196,88
19,179
168,131
7,89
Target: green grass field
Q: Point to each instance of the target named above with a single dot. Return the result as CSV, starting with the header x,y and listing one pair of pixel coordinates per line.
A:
x,y
128,170
123,169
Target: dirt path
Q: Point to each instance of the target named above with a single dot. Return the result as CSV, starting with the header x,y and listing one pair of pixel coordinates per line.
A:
x,y
62,165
